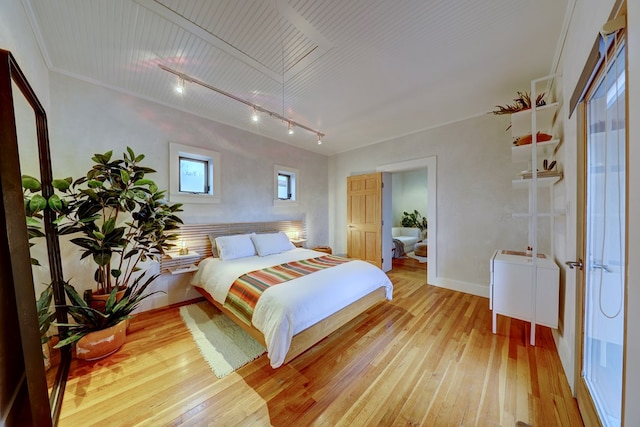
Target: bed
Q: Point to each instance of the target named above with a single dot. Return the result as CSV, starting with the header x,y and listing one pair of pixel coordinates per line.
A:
x,y
294,315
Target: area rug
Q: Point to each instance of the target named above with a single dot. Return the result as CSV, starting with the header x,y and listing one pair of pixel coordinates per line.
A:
x,y
224,345
422,259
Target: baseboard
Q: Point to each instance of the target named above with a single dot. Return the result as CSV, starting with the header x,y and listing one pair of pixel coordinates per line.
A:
x,y
466,287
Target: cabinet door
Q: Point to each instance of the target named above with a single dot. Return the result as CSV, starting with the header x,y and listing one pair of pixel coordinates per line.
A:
x,y
548,291
512,290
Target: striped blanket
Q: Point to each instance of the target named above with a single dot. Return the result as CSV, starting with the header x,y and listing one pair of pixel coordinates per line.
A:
x,y
247,289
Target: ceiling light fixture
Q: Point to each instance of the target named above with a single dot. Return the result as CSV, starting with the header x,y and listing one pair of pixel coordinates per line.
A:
x,y
291,123
319,139
254,116
180,86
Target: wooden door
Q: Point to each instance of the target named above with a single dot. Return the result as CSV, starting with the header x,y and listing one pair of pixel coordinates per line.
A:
x,y
364,218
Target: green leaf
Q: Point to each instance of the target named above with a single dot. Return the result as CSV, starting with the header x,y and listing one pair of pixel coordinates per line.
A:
x,y
98,235
38,203
124,175
95,183
116,273
132,156
92,194
33,222
72,294
108,307
61,184
55,203
109,225
144,181
70,340
30,183
84,242
102,258
131,253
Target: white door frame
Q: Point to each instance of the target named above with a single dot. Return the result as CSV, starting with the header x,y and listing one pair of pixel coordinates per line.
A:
x,y
429,163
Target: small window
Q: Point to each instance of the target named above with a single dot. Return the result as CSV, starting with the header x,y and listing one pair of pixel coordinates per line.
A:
x,y
194,174
285,184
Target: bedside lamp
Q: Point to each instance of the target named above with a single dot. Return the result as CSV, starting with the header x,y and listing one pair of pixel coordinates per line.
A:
x,y
184,250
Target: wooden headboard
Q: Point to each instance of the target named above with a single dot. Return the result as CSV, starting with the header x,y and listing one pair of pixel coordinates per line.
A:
x,y
197,239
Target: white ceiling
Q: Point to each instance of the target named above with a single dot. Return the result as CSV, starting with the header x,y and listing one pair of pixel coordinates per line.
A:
x,y
360,71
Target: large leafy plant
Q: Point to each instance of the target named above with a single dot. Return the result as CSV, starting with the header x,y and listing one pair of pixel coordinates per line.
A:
x,y
117,216
414,219
89,319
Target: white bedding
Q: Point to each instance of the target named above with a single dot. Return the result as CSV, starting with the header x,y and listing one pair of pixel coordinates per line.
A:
x,y
291,307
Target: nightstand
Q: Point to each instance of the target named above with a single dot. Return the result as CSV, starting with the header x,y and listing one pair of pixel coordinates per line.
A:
x,y
181,268
298,243
325,249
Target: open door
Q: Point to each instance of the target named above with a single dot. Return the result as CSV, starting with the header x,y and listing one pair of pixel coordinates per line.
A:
x,y
364,218
601,242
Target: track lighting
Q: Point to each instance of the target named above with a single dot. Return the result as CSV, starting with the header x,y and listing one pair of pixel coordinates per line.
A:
x,y
180,85
256,108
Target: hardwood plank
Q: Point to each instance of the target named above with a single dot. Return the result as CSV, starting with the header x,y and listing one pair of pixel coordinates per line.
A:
x,y
426,358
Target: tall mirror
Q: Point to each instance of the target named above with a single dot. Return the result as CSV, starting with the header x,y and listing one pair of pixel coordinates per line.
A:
x,y
31,267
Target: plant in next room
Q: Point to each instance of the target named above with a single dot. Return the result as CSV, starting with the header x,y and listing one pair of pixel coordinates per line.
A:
x,y
414,219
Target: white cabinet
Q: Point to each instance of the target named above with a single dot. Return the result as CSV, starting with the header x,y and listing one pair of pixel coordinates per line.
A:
x,y
511,291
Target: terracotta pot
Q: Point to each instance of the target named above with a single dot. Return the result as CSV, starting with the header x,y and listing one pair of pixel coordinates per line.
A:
x,y
98,301
99,344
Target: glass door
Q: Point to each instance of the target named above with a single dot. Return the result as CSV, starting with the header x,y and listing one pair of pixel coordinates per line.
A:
x,y
605,240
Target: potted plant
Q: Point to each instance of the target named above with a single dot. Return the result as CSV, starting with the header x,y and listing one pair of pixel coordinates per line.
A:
x,y
119,219
99,333
416,220
520,103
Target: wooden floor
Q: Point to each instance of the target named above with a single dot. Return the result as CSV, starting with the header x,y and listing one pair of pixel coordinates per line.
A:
x,y
426,358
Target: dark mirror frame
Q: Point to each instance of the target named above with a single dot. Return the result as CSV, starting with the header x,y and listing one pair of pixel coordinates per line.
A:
x,y
21,357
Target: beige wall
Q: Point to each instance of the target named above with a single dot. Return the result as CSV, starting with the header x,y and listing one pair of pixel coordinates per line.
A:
x,y
474,202
90,119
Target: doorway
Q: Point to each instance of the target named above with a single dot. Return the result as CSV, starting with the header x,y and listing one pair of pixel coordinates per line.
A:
x,y
603,247
430,164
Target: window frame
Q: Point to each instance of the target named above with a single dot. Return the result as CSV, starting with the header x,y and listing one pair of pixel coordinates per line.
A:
x,y
212,158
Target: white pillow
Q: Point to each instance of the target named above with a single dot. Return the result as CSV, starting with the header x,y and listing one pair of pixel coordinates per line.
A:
x,y
235,246
271,243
